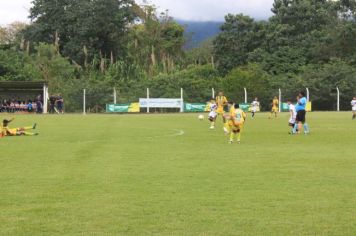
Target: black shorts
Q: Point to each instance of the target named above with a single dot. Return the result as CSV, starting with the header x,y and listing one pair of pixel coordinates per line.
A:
x,y
301,116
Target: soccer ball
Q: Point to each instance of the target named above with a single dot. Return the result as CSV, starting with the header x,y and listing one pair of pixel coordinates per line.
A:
x,y
201,117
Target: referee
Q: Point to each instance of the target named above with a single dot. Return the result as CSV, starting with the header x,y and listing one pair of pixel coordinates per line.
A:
x,y
301,113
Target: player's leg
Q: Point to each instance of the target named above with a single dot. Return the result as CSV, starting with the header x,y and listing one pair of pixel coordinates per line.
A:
x,y
27,128
354,115
305,124
30,134
212,122
232,136
239,131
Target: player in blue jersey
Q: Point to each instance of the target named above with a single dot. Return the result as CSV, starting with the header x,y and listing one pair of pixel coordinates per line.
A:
x,y
301,113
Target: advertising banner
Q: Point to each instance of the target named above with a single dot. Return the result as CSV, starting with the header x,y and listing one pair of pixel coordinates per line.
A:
x,y
194,107
245,107
160,103
123,108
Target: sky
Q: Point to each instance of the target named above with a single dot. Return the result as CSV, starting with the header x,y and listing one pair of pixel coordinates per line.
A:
x,y
197,10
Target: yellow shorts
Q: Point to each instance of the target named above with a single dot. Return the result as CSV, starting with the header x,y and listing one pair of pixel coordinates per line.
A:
x,y
220,110
275,109
235,127
11,132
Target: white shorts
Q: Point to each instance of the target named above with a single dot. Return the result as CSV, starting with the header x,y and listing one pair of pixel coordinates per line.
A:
x,y
213,114
254,110
354,109
292,121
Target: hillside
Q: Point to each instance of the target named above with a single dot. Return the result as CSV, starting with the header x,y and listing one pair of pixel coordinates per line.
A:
x,y
197,32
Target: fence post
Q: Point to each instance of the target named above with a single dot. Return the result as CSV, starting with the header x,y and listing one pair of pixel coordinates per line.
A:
x,y
115,95
308,95
182,100
245,95
45,99
338,98
213,93
84,102
148,100
280,100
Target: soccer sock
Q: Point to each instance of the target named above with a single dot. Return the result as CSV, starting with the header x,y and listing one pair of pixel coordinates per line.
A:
x,y
295,128
232,136
354,116
30,134
253,114
239,136
306,128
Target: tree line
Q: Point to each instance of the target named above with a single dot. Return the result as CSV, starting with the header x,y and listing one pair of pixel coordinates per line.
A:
x,y
98,45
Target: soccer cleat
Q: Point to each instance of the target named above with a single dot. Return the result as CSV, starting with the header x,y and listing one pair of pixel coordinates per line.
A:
x,y
231,142
34,126
36,134
212,127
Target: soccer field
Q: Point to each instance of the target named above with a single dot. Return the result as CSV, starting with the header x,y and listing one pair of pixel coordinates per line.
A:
x,y
171,175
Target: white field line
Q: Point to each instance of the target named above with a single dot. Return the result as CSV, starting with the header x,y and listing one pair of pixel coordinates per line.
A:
x,y
177,133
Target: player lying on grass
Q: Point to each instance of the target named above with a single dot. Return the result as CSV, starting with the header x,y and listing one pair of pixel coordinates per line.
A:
x,y
213,114
7,131
236,123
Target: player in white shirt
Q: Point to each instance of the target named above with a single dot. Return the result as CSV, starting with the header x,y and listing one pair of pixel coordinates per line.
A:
x,y
293,115
353,104
255,105
213,113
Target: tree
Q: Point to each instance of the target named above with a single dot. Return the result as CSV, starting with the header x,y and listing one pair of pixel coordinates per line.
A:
x,y
240,35
82,29
9,34
157,42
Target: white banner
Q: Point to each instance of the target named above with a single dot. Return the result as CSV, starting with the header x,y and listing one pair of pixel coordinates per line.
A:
x,y
161,103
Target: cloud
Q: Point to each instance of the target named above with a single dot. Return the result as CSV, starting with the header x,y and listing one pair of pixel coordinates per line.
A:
x,y
199,10
14,10
215,10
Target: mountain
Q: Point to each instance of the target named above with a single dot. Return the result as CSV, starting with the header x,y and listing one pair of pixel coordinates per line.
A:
x,y
198,31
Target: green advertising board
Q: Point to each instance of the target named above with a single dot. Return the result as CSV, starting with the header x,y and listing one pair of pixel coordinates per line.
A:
x,y
245,107
194,107
117,108
285,107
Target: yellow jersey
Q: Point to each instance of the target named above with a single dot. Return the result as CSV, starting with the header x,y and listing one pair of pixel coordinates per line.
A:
x,y
238,118
275,103
221,101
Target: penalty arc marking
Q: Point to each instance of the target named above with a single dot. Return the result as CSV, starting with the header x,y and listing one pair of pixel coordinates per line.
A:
x,y
177,133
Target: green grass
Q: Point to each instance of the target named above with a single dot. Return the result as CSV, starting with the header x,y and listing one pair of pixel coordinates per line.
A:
x,y
130,175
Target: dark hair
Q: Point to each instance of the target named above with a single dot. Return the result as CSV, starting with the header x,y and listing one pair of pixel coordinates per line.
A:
x,y
237,106
302,93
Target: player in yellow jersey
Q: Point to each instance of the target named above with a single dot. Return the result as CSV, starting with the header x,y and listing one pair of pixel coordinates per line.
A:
x,y
222,103
236,122
7,131
275,107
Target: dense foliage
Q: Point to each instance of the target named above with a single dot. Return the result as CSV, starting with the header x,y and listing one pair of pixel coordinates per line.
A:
x,y
99,45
